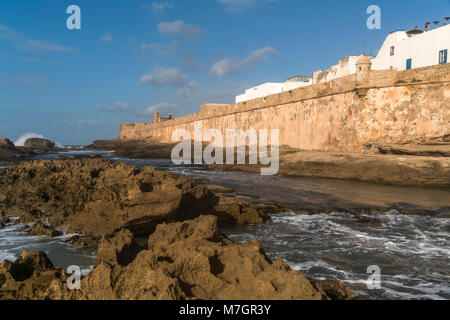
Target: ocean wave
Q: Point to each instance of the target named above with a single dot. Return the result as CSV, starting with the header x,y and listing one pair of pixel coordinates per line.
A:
x,y
24,137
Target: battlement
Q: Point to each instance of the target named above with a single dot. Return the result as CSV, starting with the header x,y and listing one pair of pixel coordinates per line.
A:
x,y
327,101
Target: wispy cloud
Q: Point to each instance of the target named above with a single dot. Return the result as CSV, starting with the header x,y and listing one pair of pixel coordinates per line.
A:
x,y
163,108
158,6
229,66
116,107
181,29
22,43
171,77
107,37
162,49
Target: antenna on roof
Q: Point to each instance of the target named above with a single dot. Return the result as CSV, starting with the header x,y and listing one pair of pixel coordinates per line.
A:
x,y
446,21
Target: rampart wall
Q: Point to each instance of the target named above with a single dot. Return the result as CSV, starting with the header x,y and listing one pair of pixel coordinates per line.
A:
x,y
340,115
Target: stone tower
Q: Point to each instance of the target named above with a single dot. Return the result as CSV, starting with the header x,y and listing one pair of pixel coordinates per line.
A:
x,y
363,67
156,118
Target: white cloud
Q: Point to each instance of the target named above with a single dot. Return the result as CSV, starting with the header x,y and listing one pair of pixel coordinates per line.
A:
x,y
229,66
181,29
163,108
30,45
171,77
158,6
107,38
116,107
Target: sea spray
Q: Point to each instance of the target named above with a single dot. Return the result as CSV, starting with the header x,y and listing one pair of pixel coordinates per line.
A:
x,y
24,137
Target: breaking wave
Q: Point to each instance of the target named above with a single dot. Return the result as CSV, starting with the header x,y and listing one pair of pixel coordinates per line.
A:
x,y
24,137
412,251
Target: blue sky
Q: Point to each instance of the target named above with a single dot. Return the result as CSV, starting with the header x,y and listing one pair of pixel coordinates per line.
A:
x,y
134,57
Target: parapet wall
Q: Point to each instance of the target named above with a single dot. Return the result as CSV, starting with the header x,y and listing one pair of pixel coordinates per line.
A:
x,y
340,115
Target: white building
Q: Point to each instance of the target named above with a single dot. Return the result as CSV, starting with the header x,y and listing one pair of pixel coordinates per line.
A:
x,y
346,67
413,49
400,51
270,88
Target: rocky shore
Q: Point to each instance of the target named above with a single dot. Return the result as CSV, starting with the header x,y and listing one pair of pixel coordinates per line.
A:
x,y
424,164
187,260
10,154
110,204
95,197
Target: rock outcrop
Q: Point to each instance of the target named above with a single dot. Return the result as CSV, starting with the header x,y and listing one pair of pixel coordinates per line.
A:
x,y
10,154
32,277
187,260
41,229
7,144
95,197
39,143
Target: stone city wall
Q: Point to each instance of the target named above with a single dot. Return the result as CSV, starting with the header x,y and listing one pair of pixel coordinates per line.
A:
x,y
340,115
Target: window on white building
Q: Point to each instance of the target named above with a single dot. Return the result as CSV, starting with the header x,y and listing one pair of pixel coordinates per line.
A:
x,y
443,56
392,51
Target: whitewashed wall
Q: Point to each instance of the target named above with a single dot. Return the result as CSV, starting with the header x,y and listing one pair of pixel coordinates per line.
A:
x,y
423,49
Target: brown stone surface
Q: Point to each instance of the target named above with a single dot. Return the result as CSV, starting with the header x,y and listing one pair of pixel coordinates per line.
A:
x,y
41,229
141,148
427,150
39,143
188,260
395,108
7,144
95,197
423,171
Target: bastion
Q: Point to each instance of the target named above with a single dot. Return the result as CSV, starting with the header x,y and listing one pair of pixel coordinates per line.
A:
x,y
342,115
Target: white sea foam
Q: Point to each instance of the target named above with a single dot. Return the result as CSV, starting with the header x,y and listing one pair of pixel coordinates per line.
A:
x,y
24,137
412,251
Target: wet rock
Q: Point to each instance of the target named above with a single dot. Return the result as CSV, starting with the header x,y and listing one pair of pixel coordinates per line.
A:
x,y
83,241
7,144
32,277
192,260
41,229
183,260
96,197
334,290
39,143
4,222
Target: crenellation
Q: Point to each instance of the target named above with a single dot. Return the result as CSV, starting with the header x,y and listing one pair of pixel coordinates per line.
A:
x,y
341,115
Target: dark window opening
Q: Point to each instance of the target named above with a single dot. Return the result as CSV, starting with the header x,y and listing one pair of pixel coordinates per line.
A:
x,y
443,56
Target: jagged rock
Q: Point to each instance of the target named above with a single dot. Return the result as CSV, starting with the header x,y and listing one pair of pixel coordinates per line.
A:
x,y
4,222
41,229
39,143
96,197
7,144
192,260
184,260
83,241
32,277
118,249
